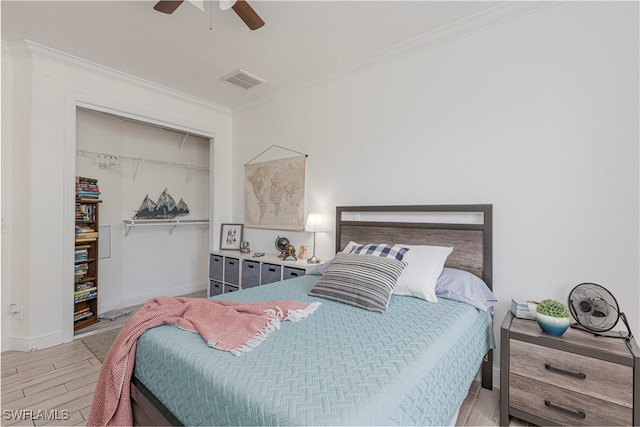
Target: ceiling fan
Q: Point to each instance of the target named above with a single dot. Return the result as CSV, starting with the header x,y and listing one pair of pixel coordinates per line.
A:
x,y
241,7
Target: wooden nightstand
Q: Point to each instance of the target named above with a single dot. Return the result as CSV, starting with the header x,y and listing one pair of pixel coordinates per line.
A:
x,y
575,379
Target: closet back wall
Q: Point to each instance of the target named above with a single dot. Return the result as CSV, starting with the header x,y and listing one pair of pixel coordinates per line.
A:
x,y
148,261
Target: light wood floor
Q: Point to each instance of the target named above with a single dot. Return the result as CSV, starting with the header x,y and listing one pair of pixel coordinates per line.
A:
x,y
59,380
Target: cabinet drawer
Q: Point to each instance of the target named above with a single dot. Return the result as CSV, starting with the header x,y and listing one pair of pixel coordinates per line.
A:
x,y
563,406
270,273
215,288
291,272
230,288
250,274
585,375
232,271
215,267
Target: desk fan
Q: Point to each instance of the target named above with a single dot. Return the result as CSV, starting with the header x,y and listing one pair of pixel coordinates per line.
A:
x,y
596,310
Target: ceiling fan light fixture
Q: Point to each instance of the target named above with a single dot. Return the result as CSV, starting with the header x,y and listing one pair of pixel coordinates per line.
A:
x,y
198,3
243,79
226,4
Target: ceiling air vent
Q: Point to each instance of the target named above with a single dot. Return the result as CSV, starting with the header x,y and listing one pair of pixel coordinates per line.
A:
x,y
243,79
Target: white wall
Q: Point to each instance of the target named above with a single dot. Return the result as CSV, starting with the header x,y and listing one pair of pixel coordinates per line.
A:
x,y
538,116
149,260
47,87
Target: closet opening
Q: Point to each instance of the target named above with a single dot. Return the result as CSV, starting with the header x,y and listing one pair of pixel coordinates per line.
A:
x,y
154,184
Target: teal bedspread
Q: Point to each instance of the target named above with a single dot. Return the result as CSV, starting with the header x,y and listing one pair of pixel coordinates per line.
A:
x,y
342,365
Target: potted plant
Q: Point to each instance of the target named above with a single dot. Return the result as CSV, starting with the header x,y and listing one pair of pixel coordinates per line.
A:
x,y
553,317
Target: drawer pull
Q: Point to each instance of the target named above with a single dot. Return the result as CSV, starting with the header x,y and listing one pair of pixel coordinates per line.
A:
x,y
577,414
272,269
294,274
578,375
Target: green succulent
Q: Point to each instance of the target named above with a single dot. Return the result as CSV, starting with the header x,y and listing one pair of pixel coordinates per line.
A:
x,y
552,308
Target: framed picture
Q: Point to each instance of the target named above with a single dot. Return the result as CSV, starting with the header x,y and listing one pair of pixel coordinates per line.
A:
x,y
230,236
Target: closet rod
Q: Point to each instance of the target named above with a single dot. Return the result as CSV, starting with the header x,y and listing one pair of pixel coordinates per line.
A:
x,y
91,154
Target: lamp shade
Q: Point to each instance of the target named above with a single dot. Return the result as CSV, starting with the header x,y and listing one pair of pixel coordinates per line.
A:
x,y
314,222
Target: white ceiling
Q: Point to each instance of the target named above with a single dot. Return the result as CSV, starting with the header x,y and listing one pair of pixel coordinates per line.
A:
x,y
191,50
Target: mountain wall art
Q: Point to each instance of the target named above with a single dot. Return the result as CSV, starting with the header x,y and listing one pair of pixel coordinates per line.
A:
x,y
164,208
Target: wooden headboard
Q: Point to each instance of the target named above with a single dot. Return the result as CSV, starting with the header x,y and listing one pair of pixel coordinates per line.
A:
x,y
468,228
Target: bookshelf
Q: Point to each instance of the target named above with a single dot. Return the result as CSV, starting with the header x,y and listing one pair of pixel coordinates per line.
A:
x,y
85,295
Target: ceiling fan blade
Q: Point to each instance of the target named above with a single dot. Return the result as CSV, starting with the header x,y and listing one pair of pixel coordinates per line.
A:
x,y
248,15
167,6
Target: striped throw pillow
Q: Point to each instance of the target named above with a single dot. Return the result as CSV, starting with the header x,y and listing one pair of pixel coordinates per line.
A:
x,y
363,281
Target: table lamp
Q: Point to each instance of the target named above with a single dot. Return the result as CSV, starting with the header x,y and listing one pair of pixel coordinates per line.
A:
x,y
314,224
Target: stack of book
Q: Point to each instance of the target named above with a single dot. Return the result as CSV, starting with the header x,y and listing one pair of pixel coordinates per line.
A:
x,y
82,253
520,309
82,314
85,234
85,212
80,271
85,293
87,188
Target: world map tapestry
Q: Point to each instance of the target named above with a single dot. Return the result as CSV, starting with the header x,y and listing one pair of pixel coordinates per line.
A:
x,y
274,194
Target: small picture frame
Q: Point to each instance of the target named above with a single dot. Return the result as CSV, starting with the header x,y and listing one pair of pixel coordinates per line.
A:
x,y
230,236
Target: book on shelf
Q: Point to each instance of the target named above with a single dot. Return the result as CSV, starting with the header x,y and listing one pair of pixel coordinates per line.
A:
x,y
85,285
85,212
85,295
85,234
82,314
82,254
81,269
87,188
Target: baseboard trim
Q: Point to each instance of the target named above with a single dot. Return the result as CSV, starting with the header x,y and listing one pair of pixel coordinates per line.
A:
x,y
32,343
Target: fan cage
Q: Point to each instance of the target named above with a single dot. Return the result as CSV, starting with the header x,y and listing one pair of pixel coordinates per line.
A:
x,y
592,294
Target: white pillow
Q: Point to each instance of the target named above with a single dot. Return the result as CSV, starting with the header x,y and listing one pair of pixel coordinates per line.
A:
x,y
424,265
350,245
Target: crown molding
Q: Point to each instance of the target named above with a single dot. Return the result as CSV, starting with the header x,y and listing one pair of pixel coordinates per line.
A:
x,y
25,49
490,18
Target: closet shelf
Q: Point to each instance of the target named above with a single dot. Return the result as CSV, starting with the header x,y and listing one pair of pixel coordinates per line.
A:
x,y
173,223
107,161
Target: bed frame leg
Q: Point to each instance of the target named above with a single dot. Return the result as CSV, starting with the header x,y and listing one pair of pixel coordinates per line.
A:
x,y
487,371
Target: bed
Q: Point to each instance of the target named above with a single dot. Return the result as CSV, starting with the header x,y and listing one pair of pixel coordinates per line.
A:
x,y
343,365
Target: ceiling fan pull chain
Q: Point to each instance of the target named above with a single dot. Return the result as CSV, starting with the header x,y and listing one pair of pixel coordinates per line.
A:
x,y
211,17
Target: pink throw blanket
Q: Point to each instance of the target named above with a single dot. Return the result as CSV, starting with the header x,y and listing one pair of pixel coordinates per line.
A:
x,y
225,325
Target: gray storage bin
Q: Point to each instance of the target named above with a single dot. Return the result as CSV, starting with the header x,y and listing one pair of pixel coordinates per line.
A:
x,y
230,288
215,288
291,272
232,271
216,268
250,274
270,273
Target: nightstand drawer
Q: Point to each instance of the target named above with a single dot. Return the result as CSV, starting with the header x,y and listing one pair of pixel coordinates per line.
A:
x,y
585,375
563,406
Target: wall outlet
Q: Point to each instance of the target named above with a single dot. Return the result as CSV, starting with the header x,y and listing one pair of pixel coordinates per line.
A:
x,y
16,309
